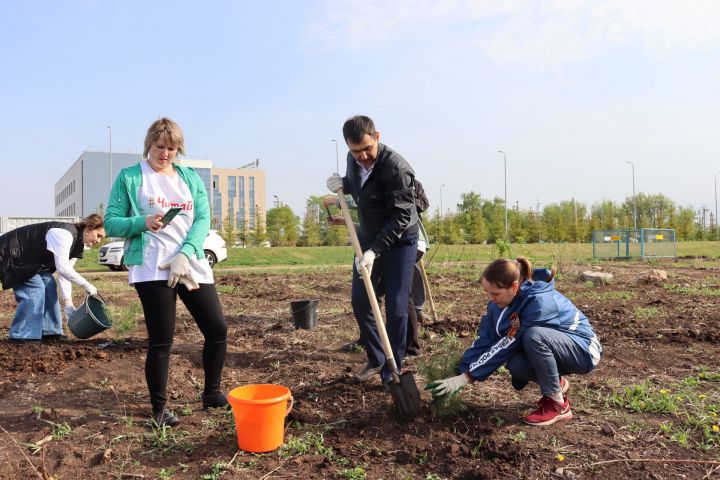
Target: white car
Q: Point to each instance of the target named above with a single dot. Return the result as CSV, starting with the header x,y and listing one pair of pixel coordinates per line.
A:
x,y
112,254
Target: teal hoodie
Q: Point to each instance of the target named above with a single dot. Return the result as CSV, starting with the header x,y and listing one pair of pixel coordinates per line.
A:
x,y
123,217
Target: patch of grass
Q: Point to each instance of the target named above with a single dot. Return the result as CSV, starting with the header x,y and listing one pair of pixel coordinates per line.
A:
x,y
165,440
124,319
645,313
441,364
518,437
692,406
60,430
498,420
700,289
310,443
217,471
357,473
230,289
613,295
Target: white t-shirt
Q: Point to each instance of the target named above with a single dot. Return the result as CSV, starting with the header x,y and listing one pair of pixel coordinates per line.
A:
x,y
59,242
157,194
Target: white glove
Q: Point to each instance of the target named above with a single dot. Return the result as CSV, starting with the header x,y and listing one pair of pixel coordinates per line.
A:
x,y
334,182
69,310
366,261
179,266
189,282
90,289
440,388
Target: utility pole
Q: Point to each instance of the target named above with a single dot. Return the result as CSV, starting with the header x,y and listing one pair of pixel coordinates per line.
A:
x,y
506,207
634,197
716,208
537,209
576,226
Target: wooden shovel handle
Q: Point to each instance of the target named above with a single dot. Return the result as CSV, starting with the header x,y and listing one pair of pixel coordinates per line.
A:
x,y
426,285
369,287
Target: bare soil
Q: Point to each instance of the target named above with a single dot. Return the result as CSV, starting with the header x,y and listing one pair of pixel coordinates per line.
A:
x,y
97,388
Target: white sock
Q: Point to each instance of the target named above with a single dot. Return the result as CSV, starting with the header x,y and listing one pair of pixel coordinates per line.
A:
x,y
558,397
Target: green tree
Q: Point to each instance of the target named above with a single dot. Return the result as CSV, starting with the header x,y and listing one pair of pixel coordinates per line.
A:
x,y
470,217
228,231
494,215
282,227
684,224
242,232
311,236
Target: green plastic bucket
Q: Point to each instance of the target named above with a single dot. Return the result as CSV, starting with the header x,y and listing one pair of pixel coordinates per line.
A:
x,y
90,318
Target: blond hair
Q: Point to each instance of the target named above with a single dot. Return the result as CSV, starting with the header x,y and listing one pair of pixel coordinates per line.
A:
x,y
164,128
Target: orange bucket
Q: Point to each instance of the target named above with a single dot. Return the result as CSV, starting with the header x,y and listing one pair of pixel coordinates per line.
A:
x,y
260,411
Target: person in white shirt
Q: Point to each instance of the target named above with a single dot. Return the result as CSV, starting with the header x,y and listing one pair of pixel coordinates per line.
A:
x,y
28,257
166,260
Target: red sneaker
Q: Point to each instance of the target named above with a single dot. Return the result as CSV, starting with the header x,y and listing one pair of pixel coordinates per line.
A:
x,y
549,411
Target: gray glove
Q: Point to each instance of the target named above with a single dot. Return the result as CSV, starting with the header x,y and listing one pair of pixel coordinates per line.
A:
x,y
179,267
367,260
189,282
69,310
334,182
450,385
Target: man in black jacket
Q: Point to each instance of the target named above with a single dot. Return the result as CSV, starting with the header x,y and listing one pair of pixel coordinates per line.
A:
x,y
381,183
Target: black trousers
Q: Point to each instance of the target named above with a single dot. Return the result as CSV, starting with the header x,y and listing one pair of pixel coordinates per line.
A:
x,y
159,306
395,265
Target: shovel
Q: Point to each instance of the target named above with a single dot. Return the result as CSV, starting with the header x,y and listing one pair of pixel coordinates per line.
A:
x,y
403,389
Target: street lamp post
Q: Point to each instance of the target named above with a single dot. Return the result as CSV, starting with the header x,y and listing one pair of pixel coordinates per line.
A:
x,y
716,209
111,176
442,224
537,210
634,197
337,156
506,210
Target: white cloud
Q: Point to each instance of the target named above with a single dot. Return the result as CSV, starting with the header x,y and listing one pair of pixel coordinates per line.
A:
x,y
521,31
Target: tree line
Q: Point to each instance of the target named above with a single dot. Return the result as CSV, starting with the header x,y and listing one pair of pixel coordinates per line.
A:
x,y
477,220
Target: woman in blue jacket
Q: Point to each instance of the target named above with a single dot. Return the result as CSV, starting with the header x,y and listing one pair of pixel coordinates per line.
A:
x,y
532,329
166,260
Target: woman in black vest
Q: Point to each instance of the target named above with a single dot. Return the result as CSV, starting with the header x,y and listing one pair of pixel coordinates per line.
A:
x,y
28,257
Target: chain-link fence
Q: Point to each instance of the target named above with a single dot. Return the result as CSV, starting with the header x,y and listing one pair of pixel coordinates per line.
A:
x,y
630,243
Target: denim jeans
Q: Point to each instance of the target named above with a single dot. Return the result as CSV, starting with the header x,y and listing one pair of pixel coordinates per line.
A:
x,y
38,309
546,355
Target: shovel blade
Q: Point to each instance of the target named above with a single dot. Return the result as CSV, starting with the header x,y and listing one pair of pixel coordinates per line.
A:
x,y
406,397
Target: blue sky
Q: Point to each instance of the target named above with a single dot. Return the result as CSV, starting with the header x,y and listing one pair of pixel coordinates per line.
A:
x,y
571,90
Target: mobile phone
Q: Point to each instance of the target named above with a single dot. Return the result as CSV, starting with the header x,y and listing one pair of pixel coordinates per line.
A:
x,y
169,215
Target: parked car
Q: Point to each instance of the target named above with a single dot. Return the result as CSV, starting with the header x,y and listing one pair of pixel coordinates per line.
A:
x,y
112,254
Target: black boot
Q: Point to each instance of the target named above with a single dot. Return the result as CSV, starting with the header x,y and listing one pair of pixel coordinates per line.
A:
x,y
214,400
165,418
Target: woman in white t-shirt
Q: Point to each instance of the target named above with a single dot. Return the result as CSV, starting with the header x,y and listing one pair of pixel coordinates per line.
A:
x,y
28,257
166,260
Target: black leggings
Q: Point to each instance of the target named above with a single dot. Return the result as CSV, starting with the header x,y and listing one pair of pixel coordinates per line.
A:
x,y
158,302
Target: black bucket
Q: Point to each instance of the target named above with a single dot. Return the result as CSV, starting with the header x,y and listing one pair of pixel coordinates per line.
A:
x,y
304,313
90,318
